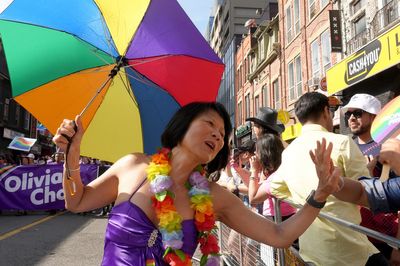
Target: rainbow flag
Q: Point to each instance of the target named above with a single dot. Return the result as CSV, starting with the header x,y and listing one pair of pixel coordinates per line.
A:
x,y
387,123
21,144
6,168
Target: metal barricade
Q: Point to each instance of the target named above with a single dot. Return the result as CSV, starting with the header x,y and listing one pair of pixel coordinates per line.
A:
x,y
237,249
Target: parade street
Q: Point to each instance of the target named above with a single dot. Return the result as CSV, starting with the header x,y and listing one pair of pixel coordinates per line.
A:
x,y
43,239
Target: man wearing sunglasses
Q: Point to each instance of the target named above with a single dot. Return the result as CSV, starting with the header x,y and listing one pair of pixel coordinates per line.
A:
x,y
359,114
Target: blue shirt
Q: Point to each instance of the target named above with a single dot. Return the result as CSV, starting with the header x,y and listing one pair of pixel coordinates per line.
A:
x,y
382,197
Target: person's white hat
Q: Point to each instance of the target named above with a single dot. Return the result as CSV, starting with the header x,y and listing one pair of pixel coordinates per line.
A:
x,y
365,102
30,155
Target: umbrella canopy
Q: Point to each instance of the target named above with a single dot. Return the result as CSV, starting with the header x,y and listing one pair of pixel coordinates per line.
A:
x,y
144,59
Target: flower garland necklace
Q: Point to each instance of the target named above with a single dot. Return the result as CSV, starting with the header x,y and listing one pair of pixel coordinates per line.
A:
x,y
170,221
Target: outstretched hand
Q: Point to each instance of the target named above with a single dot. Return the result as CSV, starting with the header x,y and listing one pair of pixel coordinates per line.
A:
x,y
328,175
66,133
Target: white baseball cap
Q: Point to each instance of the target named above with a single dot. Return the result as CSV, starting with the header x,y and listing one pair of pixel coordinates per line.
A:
x,y
30,155
365,102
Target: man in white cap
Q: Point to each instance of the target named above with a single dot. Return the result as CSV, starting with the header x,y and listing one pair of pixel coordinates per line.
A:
x,y
359,113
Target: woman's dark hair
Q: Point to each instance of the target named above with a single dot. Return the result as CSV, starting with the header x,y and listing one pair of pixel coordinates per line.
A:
x,y
310,106
248,146
269,150
266,130
180,123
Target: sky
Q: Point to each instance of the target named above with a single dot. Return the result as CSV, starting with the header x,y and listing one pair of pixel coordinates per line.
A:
x,y
199,11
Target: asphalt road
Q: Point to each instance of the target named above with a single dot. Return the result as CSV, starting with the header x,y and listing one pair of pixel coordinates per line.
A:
x,y
42,239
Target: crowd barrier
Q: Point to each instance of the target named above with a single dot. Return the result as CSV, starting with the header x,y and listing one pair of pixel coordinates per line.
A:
x,y
238,250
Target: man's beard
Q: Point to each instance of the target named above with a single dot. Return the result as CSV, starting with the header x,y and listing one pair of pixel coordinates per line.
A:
x,y
361,130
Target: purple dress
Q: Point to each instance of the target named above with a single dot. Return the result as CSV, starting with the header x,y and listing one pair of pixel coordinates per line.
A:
x,y
132,239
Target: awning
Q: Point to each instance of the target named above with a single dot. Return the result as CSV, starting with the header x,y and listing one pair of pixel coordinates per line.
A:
x,y
377,56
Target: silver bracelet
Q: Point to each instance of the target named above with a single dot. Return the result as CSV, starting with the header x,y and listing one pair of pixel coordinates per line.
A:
x,y
342,185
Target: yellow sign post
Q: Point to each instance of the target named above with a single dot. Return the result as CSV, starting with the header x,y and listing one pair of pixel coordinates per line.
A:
x,y
283,116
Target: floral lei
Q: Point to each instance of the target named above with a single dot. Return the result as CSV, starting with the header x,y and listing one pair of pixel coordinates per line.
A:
x,y
170,224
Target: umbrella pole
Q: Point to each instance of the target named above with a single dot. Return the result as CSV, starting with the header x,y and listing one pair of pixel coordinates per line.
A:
x,y
95,95
121,62
114,71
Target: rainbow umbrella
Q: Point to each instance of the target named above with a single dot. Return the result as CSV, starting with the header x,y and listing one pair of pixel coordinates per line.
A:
x,y
127,65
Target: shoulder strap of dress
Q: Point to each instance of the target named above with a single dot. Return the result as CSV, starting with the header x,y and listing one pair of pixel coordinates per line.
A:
x,y
141,184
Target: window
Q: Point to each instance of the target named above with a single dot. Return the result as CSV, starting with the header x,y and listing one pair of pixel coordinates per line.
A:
x,y
289,24
321,55
360,25
296,16
256,103
298,76
247,105
292,20
265,95
315,59
295,79
326,50
261,49
357,5
382,3
291,81
244,72
27,120
240,113
17,113
324,3
239,77
6,109
312,8
277,95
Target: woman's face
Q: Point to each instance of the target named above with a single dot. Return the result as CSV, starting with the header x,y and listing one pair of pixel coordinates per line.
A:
x,y
257,129
205,136
245,157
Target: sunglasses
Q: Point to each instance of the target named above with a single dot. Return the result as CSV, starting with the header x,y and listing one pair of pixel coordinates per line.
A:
x,y
355,113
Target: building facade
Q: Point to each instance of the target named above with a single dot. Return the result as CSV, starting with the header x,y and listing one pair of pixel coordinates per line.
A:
x,y
226,33
257,73
290,57
371,59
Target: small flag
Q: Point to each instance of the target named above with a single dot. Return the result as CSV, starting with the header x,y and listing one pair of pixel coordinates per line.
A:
x,y
40,127
22,144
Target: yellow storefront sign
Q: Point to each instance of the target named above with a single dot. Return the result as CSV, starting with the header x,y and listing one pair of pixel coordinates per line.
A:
x,y
380,54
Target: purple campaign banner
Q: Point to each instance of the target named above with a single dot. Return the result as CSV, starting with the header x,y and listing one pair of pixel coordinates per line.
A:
x,y
37,187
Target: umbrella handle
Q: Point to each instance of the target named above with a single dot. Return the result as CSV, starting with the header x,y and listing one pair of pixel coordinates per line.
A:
x,y
73,189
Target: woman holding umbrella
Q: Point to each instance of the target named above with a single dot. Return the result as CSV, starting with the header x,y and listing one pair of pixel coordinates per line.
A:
x,y
168,203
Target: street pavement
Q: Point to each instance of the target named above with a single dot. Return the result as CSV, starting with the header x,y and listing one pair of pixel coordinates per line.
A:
x,y
62,239
47,240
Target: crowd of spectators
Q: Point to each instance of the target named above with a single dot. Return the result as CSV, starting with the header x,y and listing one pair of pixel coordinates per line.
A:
x,y
258,174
